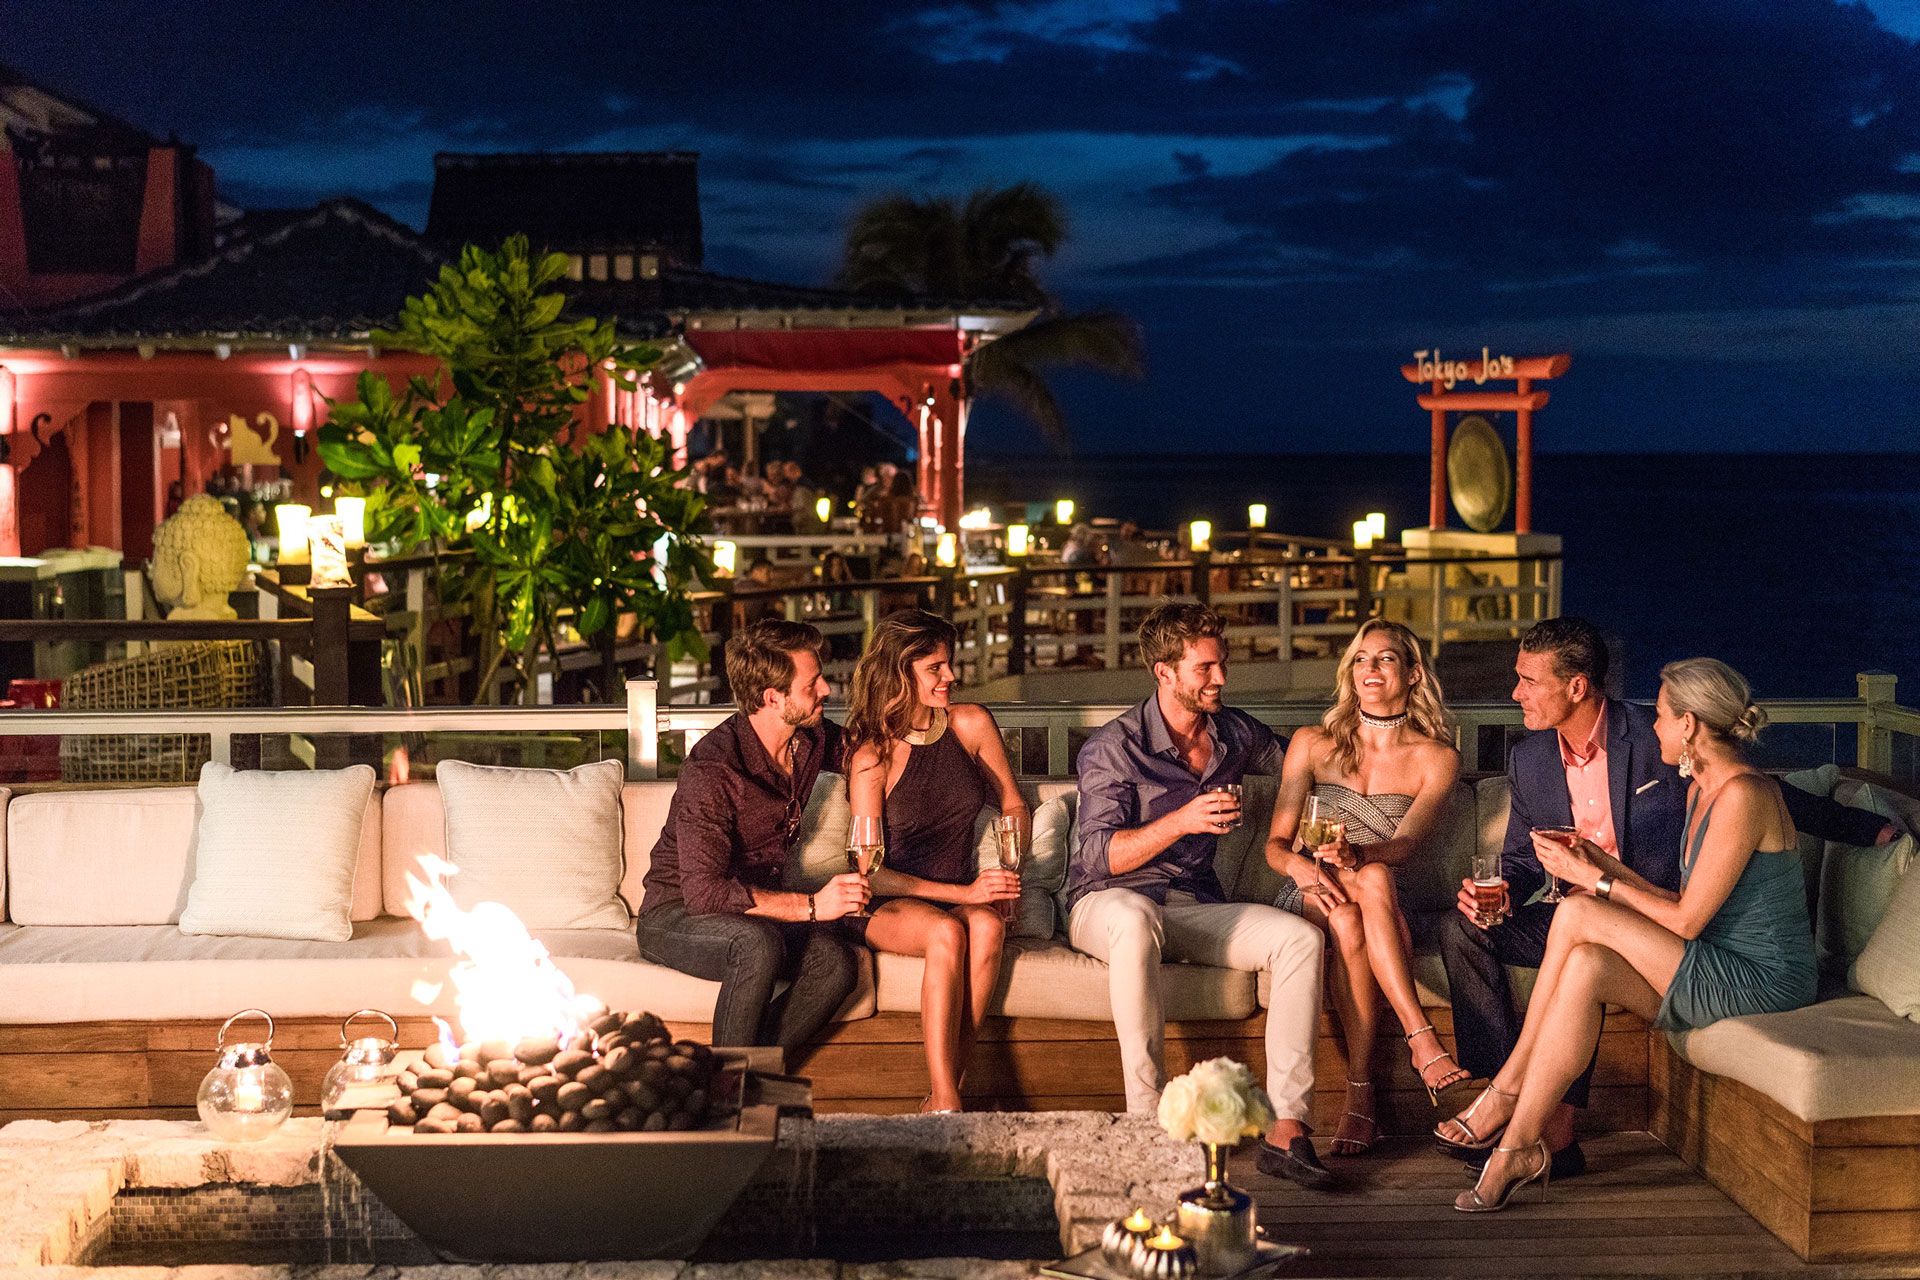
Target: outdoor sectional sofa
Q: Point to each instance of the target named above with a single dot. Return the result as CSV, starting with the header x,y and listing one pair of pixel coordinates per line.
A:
x,y
1810,1120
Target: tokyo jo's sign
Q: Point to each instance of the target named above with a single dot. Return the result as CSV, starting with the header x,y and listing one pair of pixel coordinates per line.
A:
x,y
1432,367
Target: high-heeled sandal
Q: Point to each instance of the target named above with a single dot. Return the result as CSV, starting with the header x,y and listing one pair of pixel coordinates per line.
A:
x,y
1473,1202
1478,1143
1450,1078
1355,1146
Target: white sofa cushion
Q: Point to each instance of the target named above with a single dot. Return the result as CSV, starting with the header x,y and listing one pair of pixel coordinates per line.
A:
x,y
1834,1060
154,972
820,848
274,853
126,857
1051,980
544,843
1889,967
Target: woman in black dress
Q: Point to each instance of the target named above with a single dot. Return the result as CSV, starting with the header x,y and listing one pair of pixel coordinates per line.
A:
x,y
927,767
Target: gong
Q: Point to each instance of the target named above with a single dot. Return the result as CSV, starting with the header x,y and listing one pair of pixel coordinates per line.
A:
x,y
1479,475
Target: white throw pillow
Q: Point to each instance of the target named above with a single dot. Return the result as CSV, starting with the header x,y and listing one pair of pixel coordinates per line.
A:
x,y
274,853
544,843
820,849
1889,967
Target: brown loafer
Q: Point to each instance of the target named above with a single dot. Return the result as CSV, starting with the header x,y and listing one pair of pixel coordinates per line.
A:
x,y
1297,1163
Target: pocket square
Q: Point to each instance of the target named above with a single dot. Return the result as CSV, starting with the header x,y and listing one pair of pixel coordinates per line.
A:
x,y
1646,786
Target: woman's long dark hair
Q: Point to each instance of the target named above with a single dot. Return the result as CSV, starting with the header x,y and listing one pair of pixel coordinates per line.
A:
x,y
882,702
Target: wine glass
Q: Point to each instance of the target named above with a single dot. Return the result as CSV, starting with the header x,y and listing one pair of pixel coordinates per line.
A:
x,y
866,847
1557,892
1006,838
1320,824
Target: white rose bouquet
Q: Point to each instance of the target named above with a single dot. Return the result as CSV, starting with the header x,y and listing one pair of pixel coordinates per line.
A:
x,y
1216,1102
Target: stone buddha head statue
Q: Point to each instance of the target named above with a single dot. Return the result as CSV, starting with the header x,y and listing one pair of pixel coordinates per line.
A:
x,y
199,557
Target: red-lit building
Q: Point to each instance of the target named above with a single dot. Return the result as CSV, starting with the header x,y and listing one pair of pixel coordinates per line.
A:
x,y
146,347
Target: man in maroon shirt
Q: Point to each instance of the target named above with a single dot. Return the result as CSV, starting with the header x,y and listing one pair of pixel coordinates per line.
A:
x,y
714,907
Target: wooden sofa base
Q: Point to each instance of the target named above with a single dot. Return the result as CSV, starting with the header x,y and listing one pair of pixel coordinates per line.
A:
x,y
878,1064
1833,1190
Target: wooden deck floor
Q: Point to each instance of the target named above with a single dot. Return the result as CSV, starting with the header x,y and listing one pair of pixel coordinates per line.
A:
x,y
1638,1212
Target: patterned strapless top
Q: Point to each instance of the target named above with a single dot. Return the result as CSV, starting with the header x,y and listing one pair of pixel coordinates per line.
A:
x,y
1369,819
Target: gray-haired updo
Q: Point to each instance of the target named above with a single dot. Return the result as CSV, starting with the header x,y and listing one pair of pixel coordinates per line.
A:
x,y
1714,694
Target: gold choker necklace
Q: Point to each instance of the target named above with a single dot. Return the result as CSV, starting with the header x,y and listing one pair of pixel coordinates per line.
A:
x,y
921,737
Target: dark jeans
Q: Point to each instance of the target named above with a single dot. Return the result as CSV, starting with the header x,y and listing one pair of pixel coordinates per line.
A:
x,y
747,956
1485,1026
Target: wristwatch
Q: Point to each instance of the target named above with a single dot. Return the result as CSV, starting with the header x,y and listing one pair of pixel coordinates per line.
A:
x,y
812,911
1603,888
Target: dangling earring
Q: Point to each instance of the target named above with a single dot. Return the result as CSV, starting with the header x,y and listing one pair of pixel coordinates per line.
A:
x,y
1686,761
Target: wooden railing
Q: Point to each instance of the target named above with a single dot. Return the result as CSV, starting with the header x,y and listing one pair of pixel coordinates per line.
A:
x,y
1869,731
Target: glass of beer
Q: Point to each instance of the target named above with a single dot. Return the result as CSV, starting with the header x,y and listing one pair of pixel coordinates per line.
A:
x,y
1489,889
866,847
1006,838
1232,789
1556,892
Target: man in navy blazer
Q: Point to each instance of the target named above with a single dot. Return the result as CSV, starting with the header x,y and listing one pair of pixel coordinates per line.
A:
x,y
1587,752
1591,763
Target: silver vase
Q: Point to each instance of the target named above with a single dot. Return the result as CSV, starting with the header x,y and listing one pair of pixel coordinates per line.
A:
x,y
1218,1219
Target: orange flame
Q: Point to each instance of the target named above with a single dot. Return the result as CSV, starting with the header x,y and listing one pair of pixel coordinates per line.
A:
x,y
505,985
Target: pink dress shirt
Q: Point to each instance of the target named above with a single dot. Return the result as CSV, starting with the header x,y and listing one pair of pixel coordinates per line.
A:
x,y
1587,785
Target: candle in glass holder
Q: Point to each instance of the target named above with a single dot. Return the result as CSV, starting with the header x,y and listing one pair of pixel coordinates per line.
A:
x,y
1018,536
327,544
1362,535
290,520
353,518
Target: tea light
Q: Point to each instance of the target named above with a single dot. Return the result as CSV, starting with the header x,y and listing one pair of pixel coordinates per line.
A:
x,y
1063,511
290,519
1362,535
1018,539
1124,1239
1256,515
726,557
1377,521
823,509
1200,535
947,551
1166,1256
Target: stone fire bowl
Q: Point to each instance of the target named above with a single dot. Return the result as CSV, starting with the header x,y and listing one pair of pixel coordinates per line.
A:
x,y
552,1197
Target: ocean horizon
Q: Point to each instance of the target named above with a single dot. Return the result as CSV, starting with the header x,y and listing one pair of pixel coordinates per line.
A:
x,y
1798,569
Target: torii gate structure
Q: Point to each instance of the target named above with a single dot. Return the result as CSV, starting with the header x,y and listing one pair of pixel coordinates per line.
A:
x,y
1445,375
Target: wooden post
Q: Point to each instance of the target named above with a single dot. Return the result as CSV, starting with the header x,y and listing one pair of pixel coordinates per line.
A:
x,y
1437,488
332,614
943,594
1523,462
717,659
1116,588
1875,751
1017,622
1203,576
1362,584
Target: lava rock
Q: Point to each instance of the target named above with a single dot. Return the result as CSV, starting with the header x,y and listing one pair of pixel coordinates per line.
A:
x,y
630,1120
488,1050
571,1062
595,1077
433,1126
402,1113
543,1123
494,1110
469,1069
546,1090
573,1096
444,1113
436,1078
502,1072
656,1123
572,1122
439,1055
427,1099
602,1125
621,1061
462,1089
469,1123
536,1051
597,1109
642,1095
407,1081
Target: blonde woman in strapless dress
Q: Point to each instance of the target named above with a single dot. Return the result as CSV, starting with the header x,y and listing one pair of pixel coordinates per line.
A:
x,y
1383,758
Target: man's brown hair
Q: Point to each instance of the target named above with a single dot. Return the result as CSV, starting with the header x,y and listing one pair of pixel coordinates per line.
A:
x,y
1172,626
761,658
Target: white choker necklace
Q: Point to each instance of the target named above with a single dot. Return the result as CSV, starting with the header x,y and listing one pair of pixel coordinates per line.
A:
x,y
1383,722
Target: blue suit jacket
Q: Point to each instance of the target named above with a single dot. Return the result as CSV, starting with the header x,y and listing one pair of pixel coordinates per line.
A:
x,y
1649,801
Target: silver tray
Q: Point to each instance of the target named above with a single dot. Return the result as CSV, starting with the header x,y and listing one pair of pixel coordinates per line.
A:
x,y
1092,1264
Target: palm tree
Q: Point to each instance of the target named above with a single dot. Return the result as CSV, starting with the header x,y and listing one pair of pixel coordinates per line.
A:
x,y
988,249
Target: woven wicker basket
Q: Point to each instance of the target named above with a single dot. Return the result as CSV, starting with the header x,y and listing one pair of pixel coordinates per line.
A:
x,y
195,675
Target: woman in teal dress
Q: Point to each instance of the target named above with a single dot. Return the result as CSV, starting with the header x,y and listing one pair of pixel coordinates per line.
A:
x,y
1734,941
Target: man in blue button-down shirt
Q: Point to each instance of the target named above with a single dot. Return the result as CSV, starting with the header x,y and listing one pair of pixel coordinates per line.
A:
x,y
1142,885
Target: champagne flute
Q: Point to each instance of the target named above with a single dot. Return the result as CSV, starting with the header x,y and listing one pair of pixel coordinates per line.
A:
x,y
866,848
1489,888
1556,892
1006,837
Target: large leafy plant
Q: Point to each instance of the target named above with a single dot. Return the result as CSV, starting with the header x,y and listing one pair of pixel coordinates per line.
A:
x,y
566,526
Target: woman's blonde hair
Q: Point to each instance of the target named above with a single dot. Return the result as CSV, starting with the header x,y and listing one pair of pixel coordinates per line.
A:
x,y
880,707
1426,705
1716,695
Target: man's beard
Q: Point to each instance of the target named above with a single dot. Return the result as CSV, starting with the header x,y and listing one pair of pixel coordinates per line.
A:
x,y
792,715
1201,703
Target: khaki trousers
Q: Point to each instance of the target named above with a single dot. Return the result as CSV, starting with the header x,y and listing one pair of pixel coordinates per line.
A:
x,y
1133,934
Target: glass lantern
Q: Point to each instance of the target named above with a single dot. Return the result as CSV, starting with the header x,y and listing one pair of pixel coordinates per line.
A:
x,y
246,1096
367,1074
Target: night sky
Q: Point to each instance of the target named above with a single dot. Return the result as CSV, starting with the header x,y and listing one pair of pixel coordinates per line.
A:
x,y
1713,205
